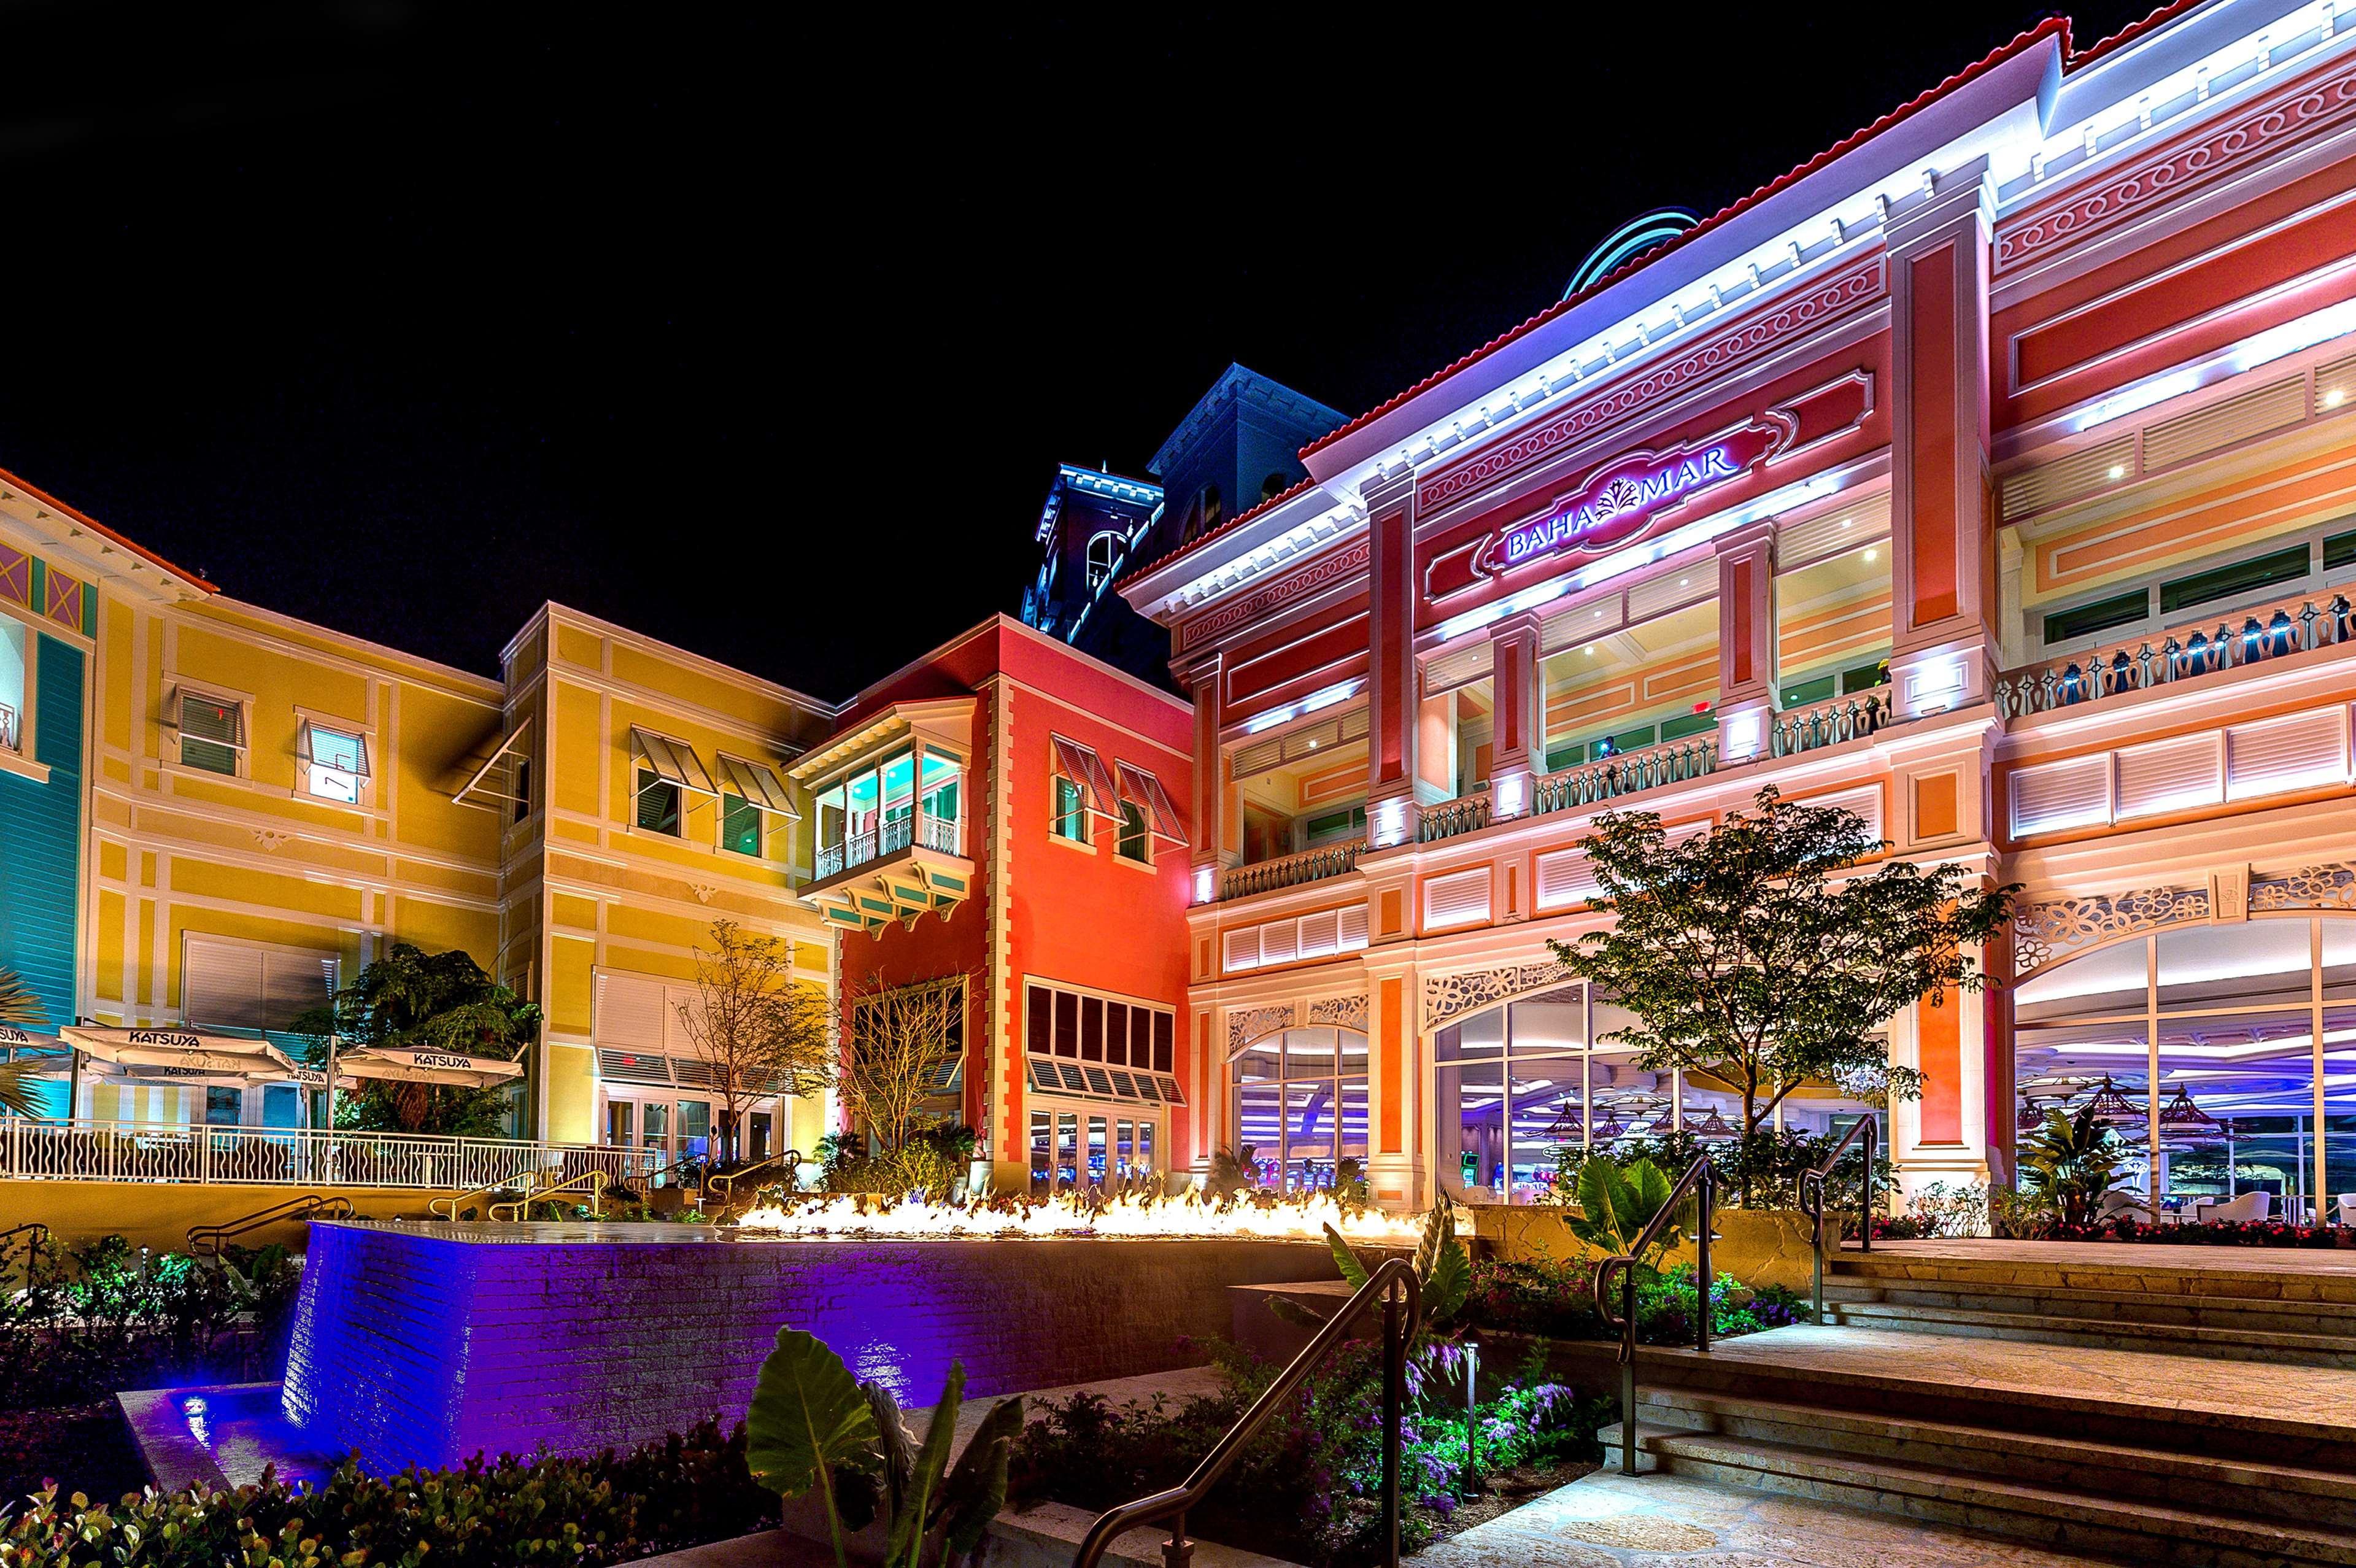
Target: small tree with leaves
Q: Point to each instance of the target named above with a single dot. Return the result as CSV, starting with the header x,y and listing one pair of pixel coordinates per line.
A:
x,y
902,1039
416,999
756,1028
1762,954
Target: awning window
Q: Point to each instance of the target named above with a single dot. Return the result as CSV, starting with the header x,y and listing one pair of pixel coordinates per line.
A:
x,y
673,762
756,784
504,777
215,721
343,750
1144,791
1083,767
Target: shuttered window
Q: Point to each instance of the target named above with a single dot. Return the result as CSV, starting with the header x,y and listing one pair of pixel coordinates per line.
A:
x,y
2060,795
1566,880
2303,751
231,984
1242,949
740,826
1458,898
2170,775
1353,927
212,732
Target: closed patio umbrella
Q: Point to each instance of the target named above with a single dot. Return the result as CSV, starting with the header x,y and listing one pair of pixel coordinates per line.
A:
x,y
403,1064
192,1049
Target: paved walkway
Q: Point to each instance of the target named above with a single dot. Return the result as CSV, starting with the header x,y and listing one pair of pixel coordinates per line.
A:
x,y
1610,1520
2336,1264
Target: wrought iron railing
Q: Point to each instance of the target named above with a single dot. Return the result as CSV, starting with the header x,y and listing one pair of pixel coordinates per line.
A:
x,y
1812,1201
1309,865
33,1150
206,1240
1670,762
1827,722
2185,653
1468,813
1701,1180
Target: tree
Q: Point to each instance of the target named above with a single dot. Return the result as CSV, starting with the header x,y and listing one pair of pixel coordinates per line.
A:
x,y
2070,1161
414,1000
758,1029
18,1004
901,1040
1758,953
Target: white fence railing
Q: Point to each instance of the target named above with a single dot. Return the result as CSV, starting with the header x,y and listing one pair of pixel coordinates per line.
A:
x,y
263,1156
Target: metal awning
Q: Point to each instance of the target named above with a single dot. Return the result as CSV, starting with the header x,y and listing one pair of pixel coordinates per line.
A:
x,y
1082,765
404,1064
496,781
349,757
180,1048
672,761
757,783
1143,790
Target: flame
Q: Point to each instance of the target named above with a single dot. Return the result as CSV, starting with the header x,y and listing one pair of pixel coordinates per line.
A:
x,y
1066,1214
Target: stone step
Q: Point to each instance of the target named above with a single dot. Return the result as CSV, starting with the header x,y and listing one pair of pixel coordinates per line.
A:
x,y
2263,1314
2049,1328
2241,1274
2139,1531
2231,1485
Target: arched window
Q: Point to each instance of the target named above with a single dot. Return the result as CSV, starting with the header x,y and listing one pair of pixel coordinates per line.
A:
x,y
1274,486
1300,1106
1103,551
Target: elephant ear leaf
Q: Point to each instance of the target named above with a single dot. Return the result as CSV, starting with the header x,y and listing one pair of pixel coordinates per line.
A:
x,y
1290,1311
976,1490
1602,1200
808,1416
912,1521
1345,1258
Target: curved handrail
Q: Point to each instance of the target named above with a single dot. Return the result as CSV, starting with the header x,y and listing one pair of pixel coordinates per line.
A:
x,y
593,1181
1399,1317
457,1200
205,1241
1812,1202
727,1180
40,1234
642,1182
1701,1180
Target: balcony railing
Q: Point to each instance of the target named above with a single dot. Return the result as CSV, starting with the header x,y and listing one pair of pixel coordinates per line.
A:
x,y
9,739
145,1152
858,849
1309,865
1592,783
2270,631
1828,723
1467,813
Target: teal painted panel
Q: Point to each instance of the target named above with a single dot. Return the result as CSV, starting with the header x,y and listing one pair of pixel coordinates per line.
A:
x,y
40,840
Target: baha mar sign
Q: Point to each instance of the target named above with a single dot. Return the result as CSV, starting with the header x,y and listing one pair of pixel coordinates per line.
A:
x,y
1617,502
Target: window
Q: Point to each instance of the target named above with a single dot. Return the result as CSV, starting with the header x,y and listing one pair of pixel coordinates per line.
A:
x,y
1100,1049
1069,820
212,733
232,984
2222,582
668,772
335,763
1145,806
1081,788
2338,550
224,1107
1103,551
1134,842
522,777
740,826
1300,1106
1336,827
15,684
2085,621
659,802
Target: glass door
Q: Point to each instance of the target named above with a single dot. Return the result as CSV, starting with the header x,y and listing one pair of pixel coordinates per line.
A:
x,y
618,1122
654,1126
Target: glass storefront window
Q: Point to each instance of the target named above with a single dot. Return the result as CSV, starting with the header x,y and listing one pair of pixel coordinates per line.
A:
x,y
1509,1094
1300,1106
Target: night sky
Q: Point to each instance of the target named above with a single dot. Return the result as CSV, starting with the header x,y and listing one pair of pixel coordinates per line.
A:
x,y
766,340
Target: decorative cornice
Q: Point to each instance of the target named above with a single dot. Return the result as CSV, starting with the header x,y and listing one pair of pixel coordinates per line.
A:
x,y
2291,114
1803,312
1333,565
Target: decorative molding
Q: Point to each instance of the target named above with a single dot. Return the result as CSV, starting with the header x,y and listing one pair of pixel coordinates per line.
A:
x,y
1258,1023
1447,996
271,839
702,893
1800,314
2048,932
1336,562
1342,1012
2332,885
2290,115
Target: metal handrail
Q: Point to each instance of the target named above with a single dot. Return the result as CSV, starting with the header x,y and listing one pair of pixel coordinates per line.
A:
x,y
40,1238
447,1208
592,1182
1701,1180
205,1241
727,1180
642,1182
1812,1202
1400,1316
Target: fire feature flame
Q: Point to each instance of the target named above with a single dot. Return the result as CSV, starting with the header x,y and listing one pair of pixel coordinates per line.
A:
x,y
1066,1214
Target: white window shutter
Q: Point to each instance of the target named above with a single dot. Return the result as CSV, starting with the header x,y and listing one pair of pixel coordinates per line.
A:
x,y
1865,804
2300,751
221,983
1682,832
2172,775
1321,934
2058,795
1461,897
1242,949
1354,929
630,1011
1279,941
1566,880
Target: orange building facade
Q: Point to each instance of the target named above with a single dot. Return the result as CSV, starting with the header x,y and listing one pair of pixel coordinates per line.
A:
x,y
1991,476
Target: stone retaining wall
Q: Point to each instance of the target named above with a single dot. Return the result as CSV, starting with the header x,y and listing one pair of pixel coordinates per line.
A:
x,y
428,1343
1757,1246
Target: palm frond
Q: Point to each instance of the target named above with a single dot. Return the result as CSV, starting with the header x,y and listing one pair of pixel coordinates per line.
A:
x,y
17,1089
17,1002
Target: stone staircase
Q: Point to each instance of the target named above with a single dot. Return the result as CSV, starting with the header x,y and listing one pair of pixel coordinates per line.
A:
x,y
2190,1416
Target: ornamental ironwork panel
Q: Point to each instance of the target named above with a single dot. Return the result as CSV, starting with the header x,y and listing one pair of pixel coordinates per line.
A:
x,y
1341,1012
2048,932
1255,1023
1447,996
2327,887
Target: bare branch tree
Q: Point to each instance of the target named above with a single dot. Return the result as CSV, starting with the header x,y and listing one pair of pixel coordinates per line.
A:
x,y
758,1029
901,1040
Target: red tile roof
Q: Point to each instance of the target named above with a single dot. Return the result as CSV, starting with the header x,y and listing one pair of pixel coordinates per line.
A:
x,y
1227,527
2050,26
2131,32
88,521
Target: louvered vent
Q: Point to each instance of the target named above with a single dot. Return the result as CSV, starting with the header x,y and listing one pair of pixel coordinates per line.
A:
x,y
1305,742
2061,795
2067,479
630,1011
1821,537
2188,436
2302,751
1458,898
1258,758
631,1066
1684,831
1461,668
1672,591
1354,929
2335,386
1242,950
1320,935
2170,775
1565,880
1278,942
1865,804
1566,628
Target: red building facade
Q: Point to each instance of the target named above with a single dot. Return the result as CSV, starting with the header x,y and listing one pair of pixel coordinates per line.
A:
x,y
1042,867
1985,474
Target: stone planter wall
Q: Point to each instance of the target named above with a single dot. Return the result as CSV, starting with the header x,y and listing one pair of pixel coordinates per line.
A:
x,y
1757,1246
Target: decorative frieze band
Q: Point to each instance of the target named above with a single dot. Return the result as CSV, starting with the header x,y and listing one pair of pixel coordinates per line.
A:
x,y
2327,887
1447,996
1255,1023
1329,567
2048,932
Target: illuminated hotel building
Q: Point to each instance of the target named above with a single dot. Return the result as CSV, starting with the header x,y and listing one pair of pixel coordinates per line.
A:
x,y
1991,475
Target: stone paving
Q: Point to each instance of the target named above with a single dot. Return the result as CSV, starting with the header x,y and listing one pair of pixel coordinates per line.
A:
x,y
2288,1273
1610,1520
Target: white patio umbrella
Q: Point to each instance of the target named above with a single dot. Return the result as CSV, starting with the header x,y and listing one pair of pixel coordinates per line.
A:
x,y
177,1047
403,1064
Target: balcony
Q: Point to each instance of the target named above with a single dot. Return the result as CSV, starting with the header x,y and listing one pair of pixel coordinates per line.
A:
x,y
858,849
1309,865
11,738
2268,631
